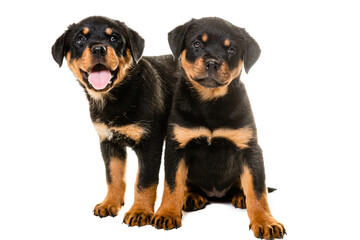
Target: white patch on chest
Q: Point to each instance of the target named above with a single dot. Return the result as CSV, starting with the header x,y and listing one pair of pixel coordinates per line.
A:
x,y
132,131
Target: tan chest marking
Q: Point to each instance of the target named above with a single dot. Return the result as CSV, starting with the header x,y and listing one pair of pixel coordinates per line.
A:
x,y
132,131
240,137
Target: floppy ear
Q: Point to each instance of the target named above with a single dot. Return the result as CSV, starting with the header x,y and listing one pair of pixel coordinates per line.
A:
x,y
176,38
136,44
252,52
58,49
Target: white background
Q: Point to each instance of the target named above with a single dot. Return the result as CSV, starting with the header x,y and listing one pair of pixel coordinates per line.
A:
x,y
304,92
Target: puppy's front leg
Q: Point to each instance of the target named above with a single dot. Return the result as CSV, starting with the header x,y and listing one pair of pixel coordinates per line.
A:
x,y
262,223
149,159
168,216
114,157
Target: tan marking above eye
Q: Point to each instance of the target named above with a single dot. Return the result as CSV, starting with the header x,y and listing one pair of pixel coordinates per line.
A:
x,y
204,37
108,31
85,30
240,137
227,43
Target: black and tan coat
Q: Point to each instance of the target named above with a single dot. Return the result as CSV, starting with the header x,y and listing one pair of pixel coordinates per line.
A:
x,y
129,99
211,147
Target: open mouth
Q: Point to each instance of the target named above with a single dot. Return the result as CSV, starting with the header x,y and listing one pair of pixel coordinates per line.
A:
x,y
99,77
209,82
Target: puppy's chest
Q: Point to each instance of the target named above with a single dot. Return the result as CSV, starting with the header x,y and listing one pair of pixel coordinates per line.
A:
x,y
130,133
240,137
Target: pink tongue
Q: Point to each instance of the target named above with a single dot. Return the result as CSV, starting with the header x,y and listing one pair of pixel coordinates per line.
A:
x,y
99,79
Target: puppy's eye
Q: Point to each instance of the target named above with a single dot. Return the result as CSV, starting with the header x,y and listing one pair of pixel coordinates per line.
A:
x,y
80,39
114,38
197,45
231,50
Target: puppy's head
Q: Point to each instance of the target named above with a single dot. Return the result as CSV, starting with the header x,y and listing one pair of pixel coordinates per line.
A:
x,y
212,53
98,51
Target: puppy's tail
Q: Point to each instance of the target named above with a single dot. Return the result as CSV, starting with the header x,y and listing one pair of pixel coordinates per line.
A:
x,y
270,189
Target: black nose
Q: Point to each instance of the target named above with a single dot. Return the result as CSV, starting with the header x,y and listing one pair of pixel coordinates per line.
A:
x,y
98,51
211,65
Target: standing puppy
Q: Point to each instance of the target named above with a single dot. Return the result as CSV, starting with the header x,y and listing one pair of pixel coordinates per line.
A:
x,y
211,147
129,102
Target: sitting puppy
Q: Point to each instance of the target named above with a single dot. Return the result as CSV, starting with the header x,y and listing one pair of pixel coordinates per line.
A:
x,y
211,147
129,102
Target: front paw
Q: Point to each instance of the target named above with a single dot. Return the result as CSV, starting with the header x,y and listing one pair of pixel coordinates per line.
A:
x,y
137,217
267,228
107,208
166,221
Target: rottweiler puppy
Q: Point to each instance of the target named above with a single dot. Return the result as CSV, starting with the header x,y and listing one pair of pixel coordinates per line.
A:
x,y
211,147
129,99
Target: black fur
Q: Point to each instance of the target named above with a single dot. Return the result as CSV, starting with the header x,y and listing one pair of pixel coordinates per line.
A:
x,y
143,97
217,165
